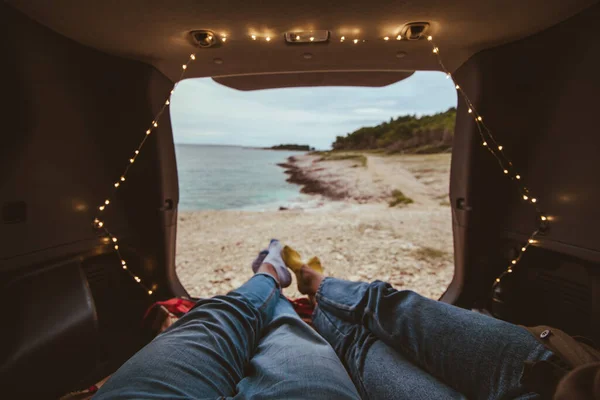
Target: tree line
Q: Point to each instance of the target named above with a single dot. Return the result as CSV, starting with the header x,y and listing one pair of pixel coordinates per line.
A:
x,y
405,134
297,147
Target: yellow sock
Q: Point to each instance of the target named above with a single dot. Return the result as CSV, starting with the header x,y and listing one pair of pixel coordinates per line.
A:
x,y
293,260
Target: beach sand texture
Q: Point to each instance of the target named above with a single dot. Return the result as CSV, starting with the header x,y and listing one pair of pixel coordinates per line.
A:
x,y
350,227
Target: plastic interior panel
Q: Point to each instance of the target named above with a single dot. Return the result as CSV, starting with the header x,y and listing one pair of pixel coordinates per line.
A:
x,y
53,332
539,97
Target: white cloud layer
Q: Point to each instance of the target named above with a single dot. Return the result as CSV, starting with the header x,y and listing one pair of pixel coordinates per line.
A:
x,y
205,112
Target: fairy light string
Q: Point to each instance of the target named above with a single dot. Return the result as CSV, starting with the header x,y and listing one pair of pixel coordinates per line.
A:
x,y
98,220
489,142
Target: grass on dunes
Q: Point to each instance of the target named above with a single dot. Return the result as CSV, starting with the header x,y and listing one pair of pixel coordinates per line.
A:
x,y
332,156
399,198
429,253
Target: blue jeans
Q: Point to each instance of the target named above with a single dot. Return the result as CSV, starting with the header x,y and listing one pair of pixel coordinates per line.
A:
x,y
248,344
398,344
251,344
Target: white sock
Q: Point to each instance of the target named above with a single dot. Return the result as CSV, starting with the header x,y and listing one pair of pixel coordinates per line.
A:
x,y
274,258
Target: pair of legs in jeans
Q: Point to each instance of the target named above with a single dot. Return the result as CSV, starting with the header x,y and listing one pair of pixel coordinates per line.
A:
x,y
372,342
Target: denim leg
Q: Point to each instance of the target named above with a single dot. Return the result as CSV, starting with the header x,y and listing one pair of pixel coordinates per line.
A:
x,y
204,354
293,361
477,355
378,371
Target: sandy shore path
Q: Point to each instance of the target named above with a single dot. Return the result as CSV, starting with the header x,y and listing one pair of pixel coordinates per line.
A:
x,y
357,237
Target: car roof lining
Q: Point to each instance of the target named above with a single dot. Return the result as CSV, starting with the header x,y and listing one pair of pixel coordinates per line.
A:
x,y
158,32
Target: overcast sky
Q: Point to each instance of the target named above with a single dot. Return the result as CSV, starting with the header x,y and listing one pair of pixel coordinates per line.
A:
x,y
205,112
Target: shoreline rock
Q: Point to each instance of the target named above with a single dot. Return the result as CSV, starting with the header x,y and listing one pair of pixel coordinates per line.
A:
x,y
310,185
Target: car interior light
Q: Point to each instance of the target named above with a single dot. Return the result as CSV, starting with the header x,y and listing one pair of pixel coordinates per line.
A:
x,y
307,36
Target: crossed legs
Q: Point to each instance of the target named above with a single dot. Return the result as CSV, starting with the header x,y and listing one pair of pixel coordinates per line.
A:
x,y
402,344
249,343
393,344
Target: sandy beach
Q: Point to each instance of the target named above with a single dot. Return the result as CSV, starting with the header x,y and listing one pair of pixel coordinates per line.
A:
x,y
346,221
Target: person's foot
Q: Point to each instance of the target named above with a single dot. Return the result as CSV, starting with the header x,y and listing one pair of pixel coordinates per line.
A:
x,y
274,259
309,281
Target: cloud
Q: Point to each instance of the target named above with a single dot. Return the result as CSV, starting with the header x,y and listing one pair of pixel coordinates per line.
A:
x,y
205,112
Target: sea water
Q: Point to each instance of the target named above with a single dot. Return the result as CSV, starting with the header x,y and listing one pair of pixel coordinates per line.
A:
x,y
229,177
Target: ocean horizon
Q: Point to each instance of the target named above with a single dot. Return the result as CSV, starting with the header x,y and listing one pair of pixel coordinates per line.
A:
x,y
229,177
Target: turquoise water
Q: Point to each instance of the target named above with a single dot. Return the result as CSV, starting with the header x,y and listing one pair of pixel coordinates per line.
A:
x,y
227,177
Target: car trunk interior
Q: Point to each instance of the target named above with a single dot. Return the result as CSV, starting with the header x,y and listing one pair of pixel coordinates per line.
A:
x,y
81,83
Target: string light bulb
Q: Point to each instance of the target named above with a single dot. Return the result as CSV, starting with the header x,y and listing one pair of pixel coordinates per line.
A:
x,y
342,38
99,224
399,37
268,38
224,39
505,163
386,38
500,156
355,41
253,37
312,39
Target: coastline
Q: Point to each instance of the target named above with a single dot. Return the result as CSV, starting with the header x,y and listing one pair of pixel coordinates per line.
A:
x,y
299,175
343,217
